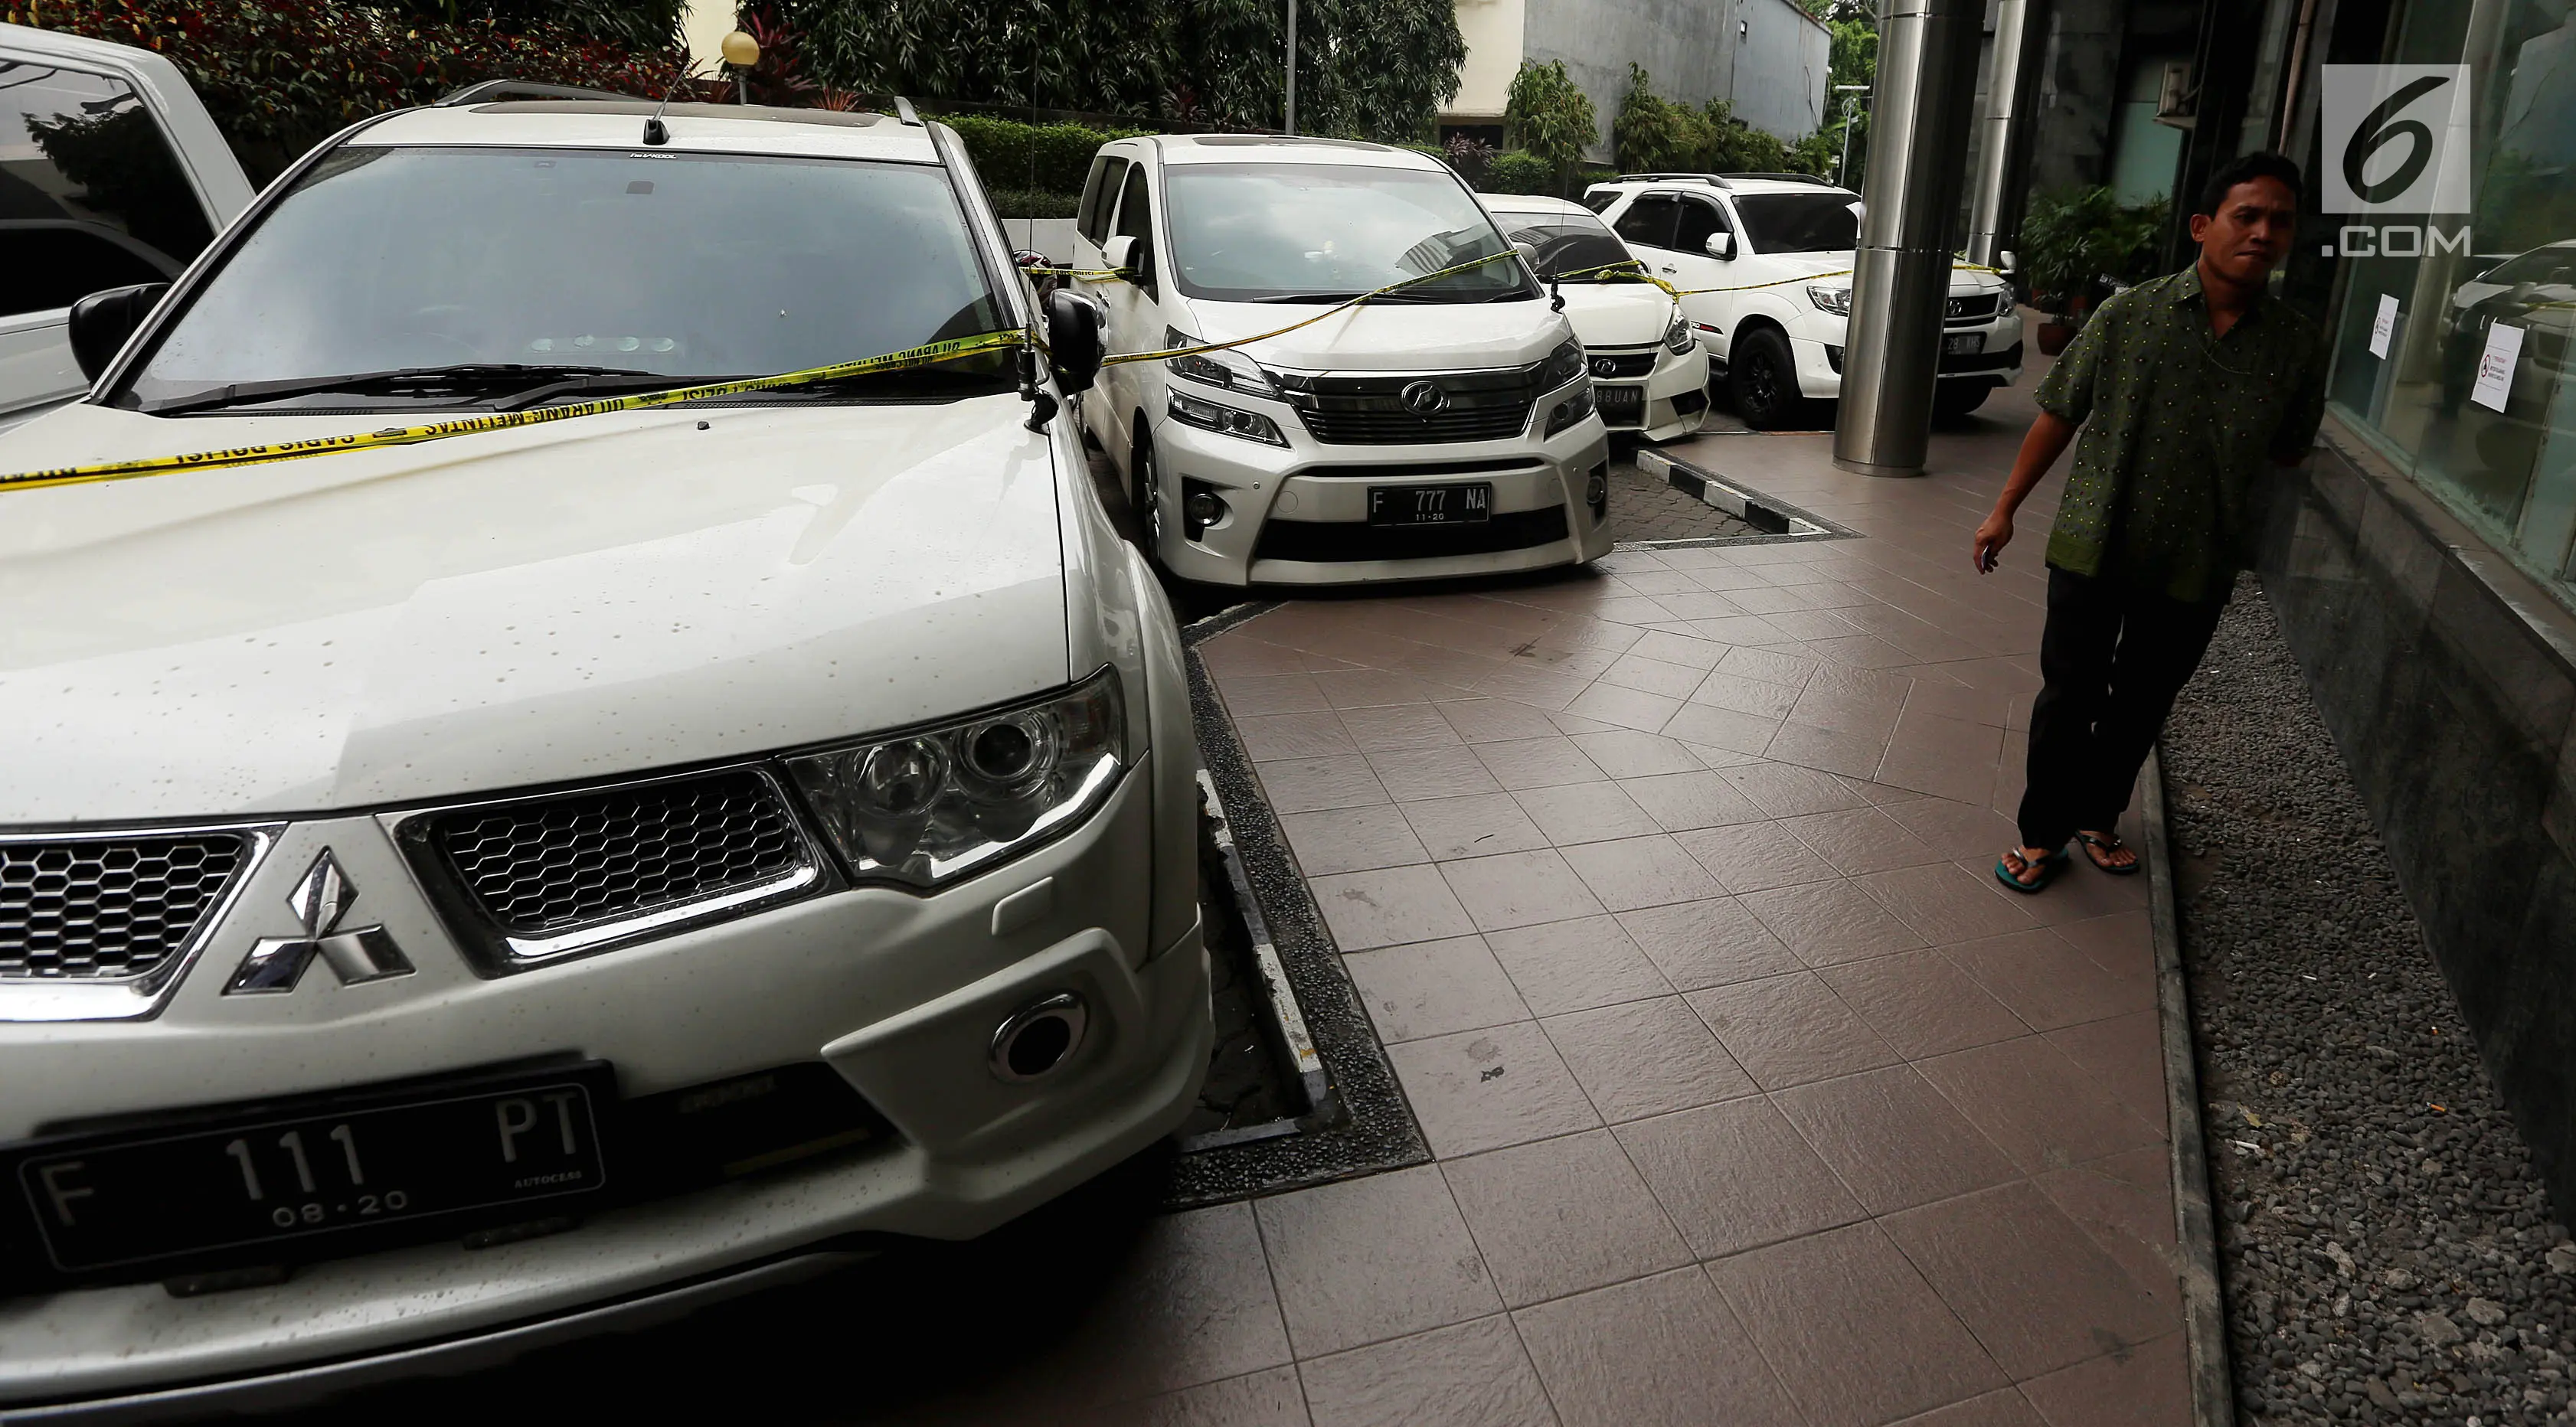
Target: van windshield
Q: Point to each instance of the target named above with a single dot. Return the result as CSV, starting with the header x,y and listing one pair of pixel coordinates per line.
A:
x,y
480,276
1568,243
1799,222
1325,232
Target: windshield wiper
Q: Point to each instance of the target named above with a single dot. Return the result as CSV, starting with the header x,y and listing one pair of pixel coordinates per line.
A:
x,y
1308,297
481,378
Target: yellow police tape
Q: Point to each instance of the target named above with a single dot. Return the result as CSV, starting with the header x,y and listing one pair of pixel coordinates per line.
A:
x,y
1621,270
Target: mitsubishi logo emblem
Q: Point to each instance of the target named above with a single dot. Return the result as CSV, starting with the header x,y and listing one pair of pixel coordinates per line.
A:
x,y
356,955
1422,398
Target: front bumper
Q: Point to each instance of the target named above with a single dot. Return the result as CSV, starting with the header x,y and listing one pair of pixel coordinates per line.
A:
x,y
1672,399
898,993
1820,363
1311,501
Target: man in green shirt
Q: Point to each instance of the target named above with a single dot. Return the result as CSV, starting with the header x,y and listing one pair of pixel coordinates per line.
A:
x,y
2183,388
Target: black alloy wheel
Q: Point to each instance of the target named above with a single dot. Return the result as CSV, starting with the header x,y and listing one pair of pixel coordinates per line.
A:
x,y
1762,376
1140,493
1952,401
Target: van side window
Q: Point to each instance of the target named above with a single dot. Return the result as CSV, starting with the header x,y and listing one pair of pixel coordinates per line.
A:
x,y
1136,220
1649,221
91,194
1098,193
1701,219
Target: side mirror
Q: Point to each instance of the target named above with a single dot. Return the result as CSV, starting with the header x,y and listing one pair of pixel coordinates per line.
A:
x,y
1722,245
102,321
1119,255
2005,262
1073,340
1529,254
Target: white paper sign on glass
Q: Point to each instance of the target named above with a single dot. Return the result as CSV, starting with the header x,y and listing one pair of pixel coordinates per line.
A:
x,y
2495,367
2384,325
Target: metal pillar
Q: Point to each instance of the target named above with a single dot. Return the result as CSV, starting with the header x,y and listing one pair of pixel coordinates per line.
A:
x,y
1291,126
2004,129
1918,159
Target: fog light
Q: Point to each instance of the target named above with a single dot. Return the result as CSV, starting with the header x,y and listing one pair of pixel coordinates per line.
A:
x,y
1201,507
1039,1037
1596,491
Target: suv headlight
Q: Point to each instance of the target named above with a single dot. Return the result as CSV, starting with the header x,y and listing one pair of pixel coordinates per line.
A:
x,y
1677,338
1563,365
1230,370
931,806
1836,300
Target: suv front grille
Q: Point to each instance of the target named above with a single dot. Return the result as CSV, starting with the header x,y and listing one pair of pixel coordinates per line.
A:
x,y
107,909
1370,410
545,865
1971,310
1622,364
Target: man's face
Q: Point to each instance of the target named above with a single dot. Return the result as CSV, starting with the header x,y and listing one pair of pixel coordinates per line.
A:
x,y
2250,232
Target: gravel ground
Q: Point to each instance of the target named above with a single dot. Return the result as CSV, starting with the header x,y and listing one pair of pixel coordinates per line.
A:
x,y
2388,1253
1645,508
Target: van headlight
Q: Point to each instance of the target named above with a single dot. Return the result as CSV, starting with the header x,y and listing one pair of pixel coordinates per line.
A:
x,y
1563,365
1232,420
1571,410
1230,370
1677,338
930,806
1836,300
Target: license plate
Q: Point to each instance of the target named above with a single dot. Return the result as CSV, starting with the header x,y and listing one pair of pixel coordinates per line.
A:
x,y
1963,344
1625,403
318,1176
1431,505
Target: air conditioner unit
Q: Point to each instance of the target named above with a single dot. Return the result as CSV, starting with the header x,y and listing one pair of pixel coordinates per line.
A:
x,y
2177,98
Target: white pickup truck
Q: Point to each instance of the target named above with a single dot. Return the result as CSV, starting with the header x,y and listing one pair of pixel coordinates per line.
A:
x,y
110,175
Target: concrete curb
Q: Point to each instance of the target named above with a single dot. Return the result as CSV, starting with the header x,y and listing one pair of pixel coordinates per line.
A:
x,y
1776,519
2204,1307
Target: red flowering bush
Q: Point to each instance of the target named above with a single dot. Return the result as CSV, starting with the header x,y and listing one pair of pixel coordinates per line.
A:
x,y
281,75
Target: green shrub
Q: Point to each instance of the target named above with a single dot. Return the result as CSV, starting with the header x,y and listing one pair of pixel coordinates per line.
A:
x,y
2075,238
1043,158
1548,115
1520,171
1032,203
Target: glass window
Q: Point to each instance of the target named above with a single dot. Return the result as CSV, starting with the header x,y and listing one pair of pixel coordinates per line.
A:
x,y
456,260
1098,193
91,195
2454,344
1282,232
1825,222
1701,220
1649,221
1566,242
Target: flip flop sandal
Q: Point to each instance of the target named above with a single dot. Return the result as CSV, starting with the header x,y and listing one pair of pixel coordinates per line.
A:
x,y
2048,867
2095,845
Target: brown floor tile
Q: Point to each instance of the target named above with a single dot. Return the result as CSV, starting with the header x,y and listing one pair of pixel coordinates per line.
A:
x,y
1893,1139
1624,708
1785,790
1433,988
1263,1399
1922,1004
1680,802
1482,1090
1938,771
1735,1176
1189,1302
2004,1407
1392,727
1561,1216
1252,695
1370,1259
1854,755
1538,763
1859,840
2082,894
1861,651
1585,812
1758,698
2047,981
1959,701
1305,785
1827,923
1715,942
1576,965
2121,944
2034,1288
1479,825
1627,753
1789,1030
1496,720
1294,735
1770,666
1388,907
1696,603
1517,889
1659,1352
2039,1106
2146,1388
1721,728
1471,1375
1755,857
1236,655
2125,1053
1645,1058
1352,840
1641,872
1679,649
2124,1202
1963,831
1869,714
1531,683
1948,904
1362,688
1415,774
1855,1332
1745,629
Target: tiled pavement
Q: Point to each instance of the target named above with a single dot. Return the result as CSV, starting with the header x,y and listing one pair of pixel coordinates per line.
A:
x,y
1753,1099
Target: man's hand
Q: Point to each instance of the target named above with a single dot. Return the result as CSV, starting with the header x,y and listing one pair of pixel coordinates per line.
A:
x,y
1992,537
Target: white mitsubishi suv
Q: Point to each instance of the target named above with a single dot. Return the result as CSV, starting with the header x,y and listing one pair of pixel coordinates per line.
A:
x,y
1765,262
457,894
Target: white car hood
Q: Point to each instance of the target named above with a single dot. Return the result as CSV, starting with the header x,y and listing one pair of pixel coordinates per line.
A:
x,y
1393,337
1963,281
1617,314
599,596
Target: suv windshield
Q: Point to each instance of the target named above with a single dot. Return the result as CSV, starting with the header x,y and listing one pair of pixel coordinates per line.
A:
x,y
1799,222
462,274
1567,243
1323,232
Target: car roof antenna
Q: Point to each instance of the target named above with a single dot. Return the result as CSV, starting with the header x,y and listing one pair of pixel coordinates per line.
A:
x,y
657,133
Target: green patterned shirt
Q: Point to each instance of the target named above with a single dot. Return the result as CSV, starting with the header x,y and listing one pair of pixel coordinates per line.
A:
x,y
2177,426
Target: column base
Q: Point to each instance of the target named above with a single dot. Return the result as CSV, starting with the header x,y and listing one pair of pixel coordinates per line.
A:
x,y
1870,468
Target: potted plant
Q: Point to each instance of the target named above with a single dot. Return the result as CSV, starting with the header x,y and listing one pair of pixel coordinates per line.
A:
x,y
2080,245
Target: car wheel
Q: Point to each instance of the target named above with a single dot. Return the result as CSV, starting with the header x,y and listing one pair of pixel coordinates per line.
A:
x,y
1953,400
1143,480
1762,376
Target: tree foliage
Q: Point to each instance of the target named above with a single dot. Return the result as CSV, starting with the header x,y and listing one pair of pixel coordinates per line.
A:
x,y
1654,134
2077,241
1520,171
1547,115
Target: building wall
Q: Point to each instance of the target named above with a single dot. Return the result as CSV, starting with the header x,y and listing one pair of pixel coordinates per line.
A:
x,y
2079,78
1768,56
1493,31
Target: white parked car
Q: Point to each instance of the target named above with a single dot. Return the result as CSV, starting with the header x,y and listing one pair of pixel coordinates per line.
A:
x,y
1446,429
459,894
1783,245
1649,372
110,174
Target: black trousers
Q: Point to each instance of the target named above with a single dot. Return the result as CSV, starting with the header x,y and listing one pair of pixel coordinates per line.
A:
x,y
2113,659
